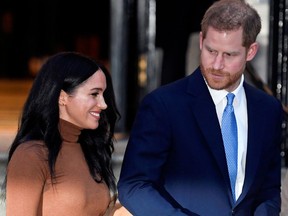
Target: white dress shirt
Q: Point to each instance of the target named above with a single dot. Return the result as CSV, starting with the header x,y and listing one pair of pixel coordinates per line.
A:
x,y
240,110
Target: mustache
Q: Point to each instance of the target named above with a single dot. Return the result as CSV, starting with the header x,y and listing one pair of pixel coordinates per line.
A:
x,y
212,71
216,72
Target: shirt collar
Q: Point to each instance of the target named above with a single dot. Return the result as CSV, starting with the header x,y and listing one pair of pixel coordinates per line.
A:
x,y
219,95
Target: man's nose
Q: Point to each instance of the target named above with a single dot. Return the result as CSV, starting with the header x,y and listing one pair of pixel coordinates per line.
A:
x,y
218,63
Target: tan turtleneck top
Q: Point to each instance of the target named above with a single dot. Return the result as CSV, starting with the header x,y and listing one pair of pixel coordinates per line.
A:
x,y
75,193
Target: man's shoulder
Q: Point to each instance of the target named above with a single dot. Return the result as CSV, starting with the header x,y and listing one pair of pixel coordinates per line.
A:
x,y
260,95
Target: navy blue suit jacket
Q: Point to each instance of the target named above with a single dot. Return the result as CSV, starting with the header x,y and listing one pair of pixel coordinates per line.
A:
x,y
175,163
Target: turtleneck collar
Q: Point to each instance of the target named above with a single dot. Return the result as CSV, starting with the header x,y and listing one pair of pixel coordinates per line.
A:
x,y
68,131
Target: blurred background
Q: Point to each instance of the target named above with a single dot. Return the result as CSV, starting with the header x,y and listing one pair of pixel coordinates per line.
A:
x,y
143,43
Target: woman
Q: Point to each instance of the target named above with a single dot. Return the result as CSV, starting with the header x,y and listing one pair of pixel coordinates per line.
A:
x,y
60,160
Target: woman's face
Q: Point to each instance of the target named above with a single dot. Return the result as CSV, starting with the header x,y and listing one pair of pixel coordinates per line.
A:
x,y
84,105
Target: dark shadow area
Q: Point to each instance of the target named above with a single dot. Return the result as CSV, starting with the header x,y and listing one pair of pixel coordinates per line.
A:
x,y
32,31
175,23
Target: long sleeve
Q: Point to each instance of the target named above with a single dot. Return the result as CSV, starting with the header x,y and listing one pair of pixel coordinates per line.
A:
x,y
25,180
140,190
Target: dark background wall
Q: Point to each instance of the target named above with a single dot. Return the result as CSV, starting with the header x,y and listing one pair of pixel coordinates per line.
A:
x,y
38,28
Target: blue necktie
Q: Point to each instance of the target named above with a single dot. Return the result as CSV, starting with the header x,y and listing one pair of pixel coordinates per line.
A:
x,y
230,139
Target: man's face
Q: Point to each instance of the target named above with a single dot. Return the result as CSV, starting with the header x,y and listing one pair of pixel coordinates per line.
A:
x,y
223,58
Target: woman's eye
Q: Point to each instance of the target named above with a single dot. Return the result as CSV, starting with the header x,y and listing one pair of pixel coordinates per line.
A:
x,y
95,94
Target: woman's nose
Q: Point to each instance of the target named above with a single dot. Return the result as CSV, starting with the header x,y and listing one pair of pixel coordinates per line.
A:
x,y
102,104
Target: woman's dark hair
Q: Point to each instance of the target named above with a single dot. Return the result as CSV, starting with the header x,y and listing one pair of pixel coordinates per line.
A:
x,y
40,116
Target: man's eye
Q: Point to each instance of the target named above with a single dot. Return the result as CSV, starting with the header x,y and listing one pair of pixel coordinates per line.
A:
x,y
211,51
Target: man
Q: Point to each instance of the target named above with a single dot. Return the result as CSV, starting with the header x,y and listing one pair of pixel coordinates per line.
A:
x,y
177,160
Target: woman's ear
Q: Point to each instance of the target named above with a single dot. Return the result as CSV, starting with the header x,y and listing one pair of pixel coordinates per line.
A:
x,y
252,51
62,98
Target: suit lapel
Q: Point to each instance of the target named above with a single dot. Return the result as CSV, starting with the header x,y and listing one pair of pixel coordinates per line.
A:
x,y
253,147
205,113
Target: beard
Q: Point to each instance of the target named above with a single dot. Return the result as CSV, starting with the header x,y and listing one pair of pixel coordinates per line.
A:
x,y
220,79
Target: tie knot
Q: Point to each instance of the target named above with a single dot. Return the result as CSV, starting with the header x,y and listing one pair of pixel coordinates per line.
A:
x,y
230,98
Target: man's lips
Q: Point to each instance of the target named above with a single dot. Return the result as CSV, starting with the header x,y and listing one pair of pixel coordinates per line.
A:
x,y
217,75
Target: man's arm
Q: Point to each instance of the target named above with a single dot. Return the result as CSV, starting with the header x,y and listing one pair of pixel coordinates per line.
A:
x,y
140,188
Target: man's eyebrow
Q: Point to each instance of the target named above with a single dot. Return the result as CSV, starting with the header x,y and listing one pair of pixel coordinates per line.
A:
x,y
229,52
233,52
